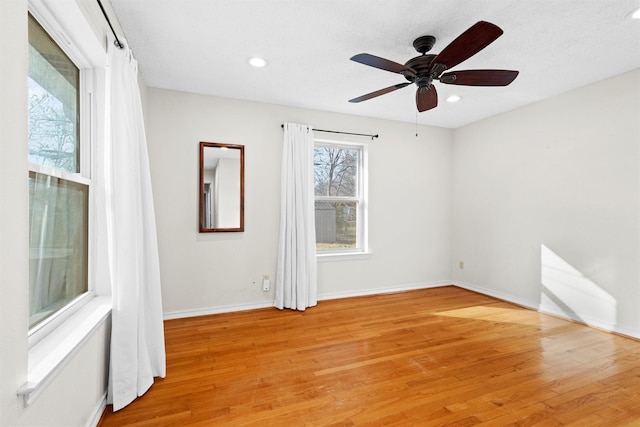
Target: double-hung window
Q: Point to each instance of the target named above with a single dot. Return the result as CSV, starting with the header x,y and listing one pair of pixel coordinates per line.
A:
x,y
58,180
340,197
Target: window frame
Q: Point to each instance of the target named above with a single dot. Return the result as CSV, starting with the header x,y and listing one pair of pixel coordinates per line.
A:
x,y
71,25
362,238
54,29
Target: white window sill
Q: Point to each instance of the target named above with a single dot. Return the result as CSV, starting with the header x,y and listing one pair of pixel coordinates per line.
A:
x,y
50,354
342,256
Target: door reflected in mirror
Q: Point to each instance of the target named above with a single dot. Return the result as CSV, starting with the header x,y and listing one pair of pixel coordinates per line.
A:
x,y
221,187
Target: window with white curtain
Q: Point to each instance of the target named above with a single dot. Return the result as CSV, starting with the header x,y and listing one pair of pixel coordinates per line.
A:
x,y
340,197
58,180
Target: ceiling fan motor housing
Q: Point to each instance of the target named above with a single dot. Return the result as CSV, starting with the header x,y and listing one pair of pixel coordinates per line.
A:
x,y
421,64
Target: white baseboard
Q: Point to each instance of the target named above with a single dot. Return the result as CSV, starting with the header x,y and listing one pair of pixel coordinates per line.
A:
x,y
265,304
594,323
499,295
97,414
216,310
374,291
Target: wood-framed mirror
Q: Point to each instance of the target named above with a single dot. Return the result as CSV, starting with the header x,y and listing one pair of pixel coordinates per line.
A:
x,y
221,187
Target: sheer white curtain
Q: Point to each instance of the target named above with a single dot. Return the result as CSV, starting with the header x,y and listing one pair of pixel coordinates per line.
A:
x,y
296,282
127,233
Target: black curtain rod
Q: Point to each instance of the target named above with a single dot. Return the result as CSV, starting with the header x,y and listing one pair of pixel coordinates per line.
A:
x,y
343,133
104,12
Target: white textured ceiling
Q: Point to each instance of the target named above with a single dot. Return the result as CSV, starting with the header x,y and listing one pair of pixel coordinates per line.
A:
x,y
202,46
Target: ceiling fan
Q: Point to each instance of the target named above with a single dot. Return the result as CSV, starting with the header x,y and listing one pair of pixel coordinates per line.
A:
x,y
424,69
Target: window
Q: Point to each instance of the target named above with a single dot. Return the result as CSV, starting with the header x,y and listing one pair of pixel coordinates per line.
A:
x,y
340,197
58,183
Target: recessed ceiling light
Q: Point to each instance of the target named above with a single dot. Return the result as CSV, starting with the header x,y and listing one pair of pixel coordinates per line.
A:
x,y
453,98
635,14
257,62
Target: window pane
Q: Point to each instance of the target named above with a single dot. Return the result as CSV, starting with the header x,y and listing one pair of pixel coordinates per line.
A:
x,y
57,244
336,225
53,103
336,171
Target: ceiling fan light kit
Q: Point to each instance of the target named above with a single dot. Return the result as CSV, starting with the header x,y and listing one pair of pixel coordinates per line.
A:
x,y
424,69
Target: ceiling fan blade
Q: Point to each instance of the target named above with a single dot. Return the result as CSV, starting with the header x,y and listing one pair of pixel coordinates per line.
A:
x,y
379,92
383,64
426,98
479,77
477,37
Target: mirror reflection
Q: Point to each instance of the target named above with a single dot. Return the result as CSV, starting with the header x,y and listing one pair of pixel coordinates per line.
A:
x,y
221,187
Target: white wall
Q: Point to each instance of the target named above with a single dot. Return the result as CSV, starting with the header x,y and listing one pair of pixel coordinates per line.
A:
x,y
546,204
14,212
409,215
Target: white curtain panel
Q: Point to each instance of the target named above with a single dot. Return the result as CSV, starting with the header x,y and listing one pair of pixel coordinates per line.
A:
x,y
296,281
137,334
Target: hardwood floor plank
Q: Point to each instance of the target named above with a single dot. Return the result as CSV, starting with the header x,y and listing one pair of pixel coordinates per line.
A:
x,y
432,357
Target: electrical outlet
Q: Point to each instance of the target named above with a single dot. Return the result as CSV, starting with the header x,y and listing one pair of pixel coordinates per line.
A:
x,y
265,282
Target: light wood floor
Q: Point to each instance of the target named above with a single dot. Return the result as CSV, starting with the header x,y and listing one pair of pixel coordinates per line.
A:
x,y
434,357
